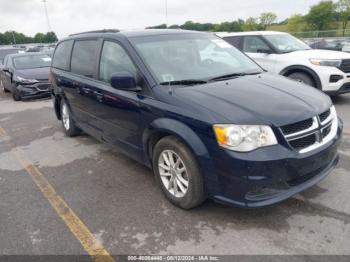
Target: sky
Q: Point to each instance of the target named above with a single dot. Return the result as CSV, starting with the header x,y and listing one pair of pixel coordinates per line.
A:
x,y
72,16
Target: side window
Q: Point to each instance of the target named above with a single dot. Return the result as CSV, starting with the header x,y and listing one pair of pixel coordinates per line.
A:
x,y
234,40
62,55
83,57
114,59
253,44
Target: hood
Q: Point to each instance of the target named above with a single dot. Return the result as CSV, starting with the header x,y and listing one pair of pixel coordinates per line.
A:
x,y
261,99
320,54
34,73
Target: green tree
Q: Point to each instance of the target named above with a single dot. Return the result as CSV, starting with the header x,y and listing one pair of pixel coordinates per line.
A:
x,y
267,19
50,37
39,38
295,23
251,24
343,10
321,16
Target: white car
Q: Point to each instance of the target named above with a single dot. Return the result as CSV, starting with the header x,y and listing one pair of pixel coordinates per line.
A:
x,y
286,55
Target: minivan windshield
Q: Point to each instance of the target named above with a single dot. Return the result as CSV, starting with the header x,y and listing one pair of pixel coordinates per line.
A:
x,y
186,59
31,61
285,43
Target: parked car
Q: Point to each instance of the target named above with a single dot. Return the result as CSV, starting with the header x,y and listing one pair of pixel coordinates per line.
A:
x,y
7,51
286,55
209,128
26,75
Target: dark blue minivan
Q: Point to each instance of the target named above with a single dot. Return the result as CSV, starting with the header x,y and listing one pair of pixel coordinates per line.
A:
x,y
207,119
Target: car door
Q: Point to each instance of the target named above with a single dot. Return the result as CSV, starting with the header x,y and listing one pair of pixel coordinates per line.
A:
x,y
83,78
116,112
259,51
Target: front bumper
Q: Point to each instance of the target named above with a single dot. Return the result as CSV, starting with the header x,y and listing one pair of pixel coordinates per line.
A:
x,y
278,174
38,90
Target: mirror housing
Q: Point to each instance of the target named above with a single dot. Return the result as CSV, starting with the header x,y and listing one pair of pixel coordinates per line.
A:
x,y
124,81
6,69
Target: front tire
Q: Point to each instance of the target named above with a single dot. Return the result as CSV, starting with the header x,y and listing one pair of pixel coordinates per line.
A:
x,y
302,78
16,94
177,173
68,124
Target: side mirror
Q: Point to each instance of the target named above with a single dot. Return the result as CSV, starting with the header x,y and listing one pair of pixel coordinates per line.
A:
x,y
264,51
6,69
124,81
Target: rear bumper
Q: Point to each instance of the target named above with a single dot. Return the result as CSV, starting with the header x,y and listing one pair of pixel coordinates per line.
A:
x,y
253,183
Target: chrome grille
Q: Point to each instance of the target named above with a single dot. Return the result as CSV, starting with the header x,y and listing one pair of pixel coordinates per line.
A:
x,y
311,133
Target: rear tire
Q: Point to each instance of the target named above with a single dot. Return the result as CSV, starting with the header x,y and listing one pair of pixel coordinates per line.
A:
x,y
302,78
68,124
177,173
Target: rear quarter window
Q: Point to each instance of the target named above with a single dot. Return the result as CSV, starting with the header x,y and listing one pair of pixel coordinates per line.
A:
x,y
84,57
61,56
233,40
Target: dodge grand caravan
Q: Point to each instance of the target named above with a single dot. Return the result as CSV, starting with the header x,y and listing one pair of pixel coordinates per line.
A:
x,y
210,125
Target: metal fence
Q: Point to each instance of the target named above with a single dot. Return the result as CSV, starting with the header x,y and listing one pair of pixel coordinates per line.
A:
x,y
323,34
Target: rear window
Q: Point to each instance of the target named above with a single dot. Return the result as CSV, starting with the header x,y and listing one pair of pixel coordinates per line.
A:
x,y
32,61
83,57
62,55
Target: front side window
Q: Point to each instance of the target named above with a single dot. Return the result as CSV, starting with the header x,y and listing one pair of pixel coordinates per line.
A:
x,y
83,57
114,59
31,61
62,55
191,56
285,43
254,44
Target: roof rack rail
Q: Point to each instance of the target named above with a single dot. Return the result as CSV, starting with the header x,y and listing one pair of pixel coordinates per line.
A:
x,y
97,31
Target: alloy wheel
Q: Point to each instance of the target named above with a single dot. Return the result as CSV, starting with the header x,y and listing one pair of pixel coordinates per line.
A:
x,y
173,173
65,117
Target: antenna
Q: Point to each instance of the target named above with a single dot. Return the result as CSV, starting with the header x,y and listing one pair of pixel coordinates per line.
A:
x,y
47,17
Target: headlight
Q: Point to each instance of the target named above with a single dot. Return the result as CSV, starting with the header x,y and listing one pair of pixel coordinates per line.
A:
x,y
244,138
326,62
25,80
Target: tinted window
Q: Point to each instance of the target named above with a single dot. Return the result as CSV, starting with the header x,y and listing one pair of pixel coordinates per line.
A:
x,y
62,55
114,59
233,40
253,44
83,57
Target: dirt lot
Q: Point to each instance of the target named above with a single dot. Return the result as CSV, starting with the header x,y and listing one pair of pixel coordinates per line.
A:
x,y
62,195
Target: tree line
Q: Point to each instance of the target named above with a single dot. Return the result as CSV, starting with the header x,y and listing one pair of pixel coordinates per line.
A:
x,y
326,15
13,37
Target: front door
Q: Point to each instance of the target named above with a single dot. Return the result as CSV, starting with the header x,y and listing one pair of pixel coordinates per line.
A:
x,y
259,51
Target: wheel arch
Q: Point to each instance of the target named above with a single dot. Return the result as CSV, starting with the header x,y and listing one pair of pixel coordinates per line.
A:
x,y
303,69
163,127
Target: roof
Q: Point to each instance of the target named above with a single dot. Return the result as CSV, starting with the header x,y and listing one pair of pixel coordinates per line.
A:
x,y
135,33
225,34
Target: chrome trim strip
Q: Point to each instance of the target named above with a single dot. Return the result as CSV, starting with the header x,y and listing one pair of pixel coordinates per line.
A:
x,y
313,127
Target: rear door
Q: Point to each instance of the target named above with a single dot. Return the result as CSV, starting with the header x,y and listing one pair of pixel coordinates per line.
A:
x,y
83,75
7,76
257,48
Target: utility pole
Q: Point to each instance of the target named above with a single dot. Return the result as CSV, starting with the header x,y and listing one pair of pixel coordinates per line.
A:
x,y
47,17
14,38
166,13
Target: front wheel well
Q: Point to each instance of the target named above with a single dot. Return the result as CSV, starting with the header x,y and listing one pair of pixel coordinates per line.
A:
x,y
309,73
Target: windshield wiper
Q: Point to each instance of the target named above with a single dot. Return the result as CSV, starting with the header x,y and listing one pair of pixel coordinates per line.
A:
x,y
187,82
228,76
